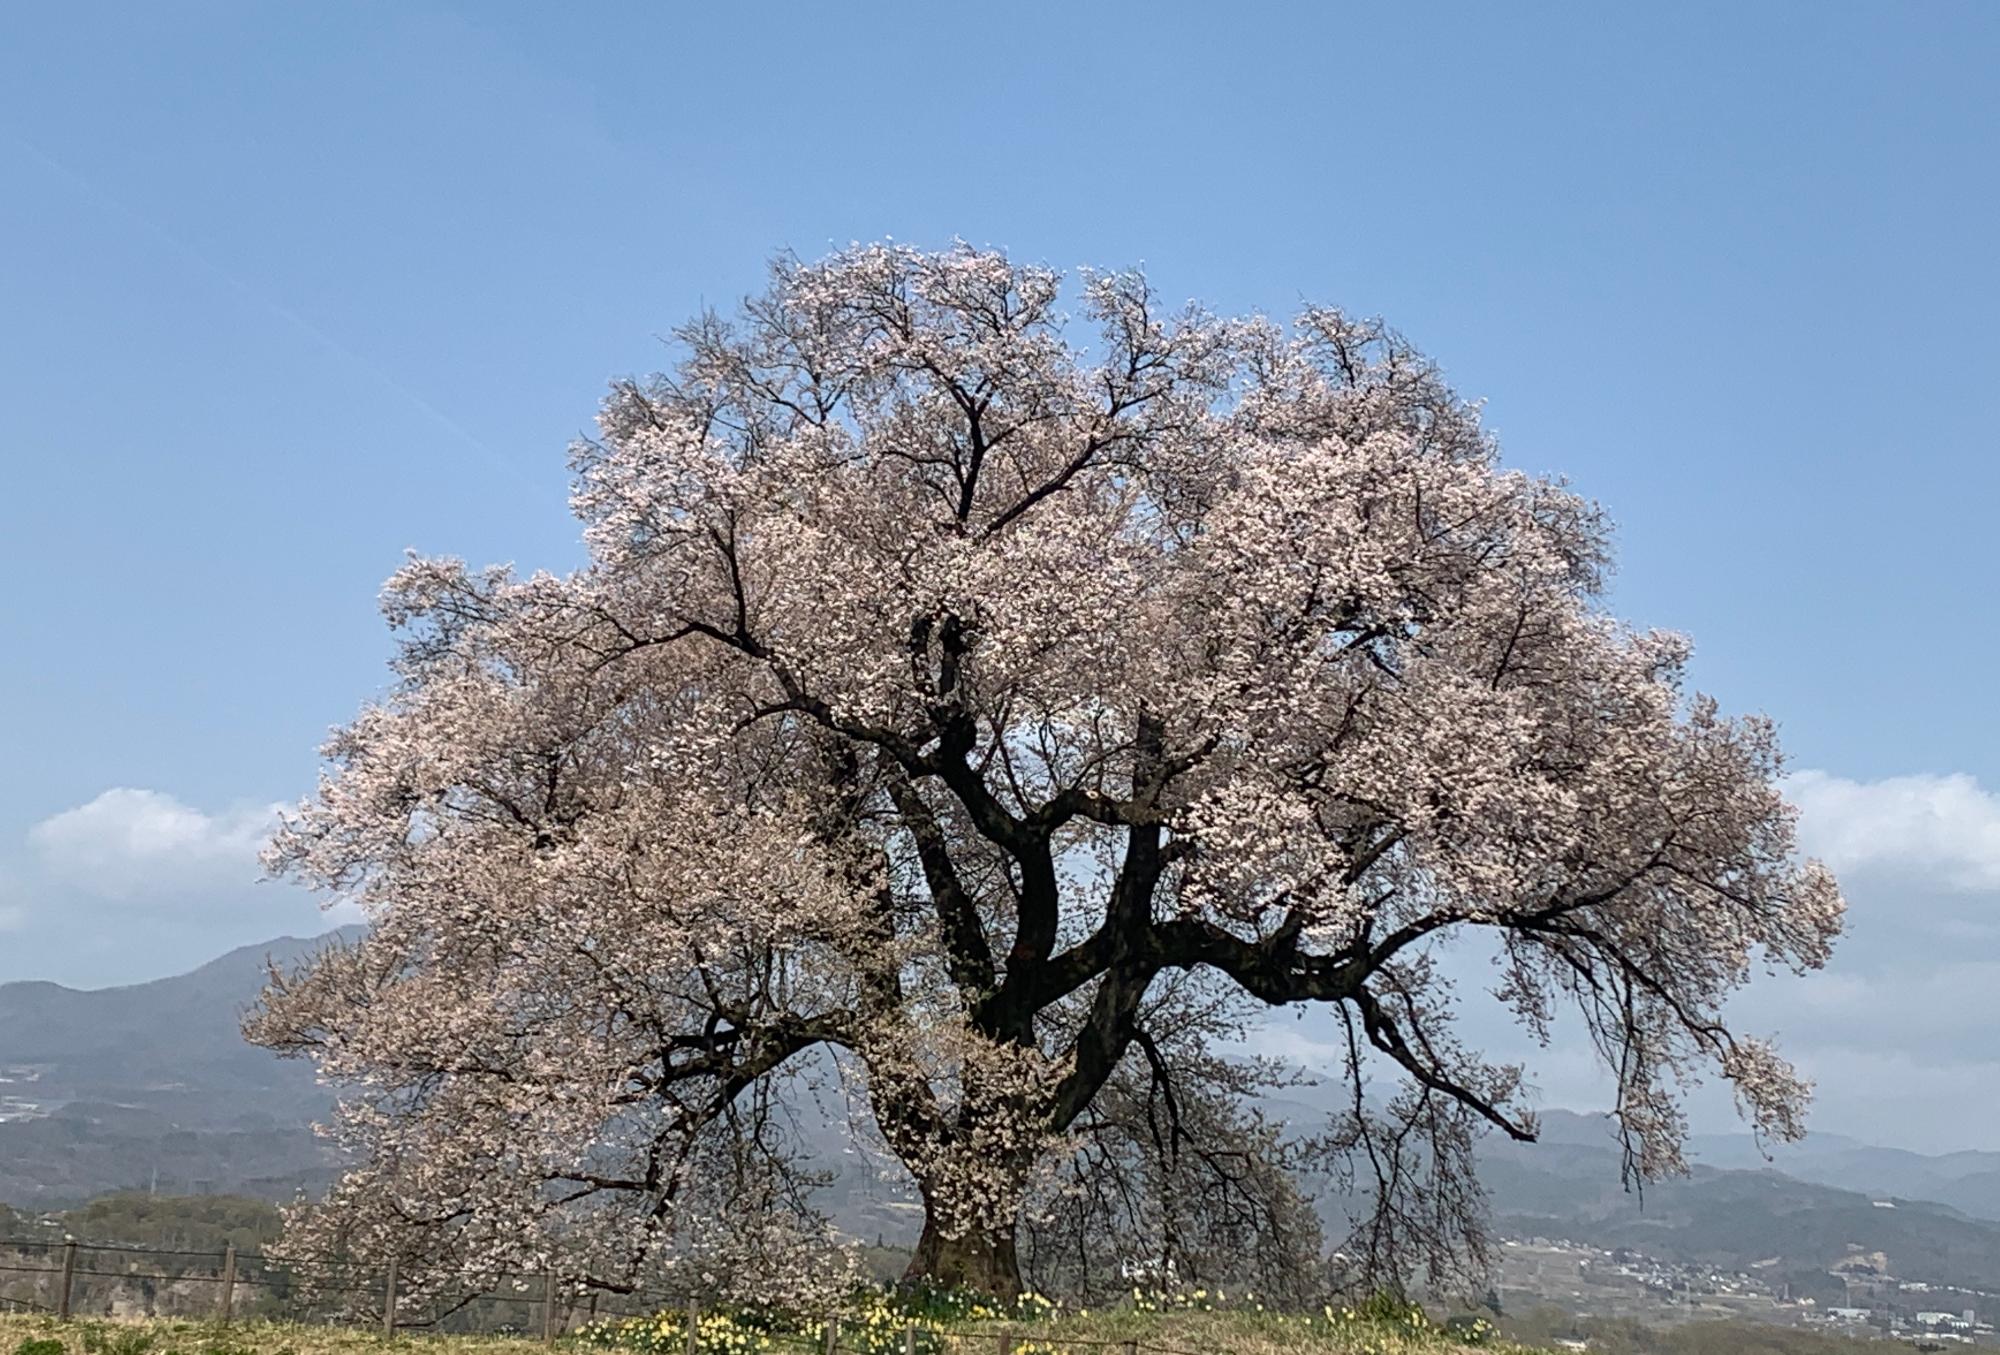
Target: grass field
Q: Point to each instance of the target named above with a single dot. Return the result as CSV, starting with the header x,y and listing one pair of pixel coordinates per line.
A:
x,y
1194,1333
25,1335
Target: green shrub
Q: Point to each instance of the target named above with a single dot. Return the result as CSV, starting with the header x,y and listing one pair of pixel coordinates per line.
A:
x,y
222,1345
40,1345
101,1339
1389,1309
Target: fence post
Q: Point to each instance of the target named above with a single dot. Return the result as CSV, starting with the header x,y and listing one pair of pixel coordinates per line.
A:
x,y
832,1334
1131,1348
693,1328
68,1278
228,1282
549,1308
909,1338
389,1303
1004,1343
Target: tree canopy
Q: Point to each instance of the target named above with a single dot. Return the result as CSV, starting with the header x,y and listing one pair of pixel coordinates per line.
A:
x,y
1005,702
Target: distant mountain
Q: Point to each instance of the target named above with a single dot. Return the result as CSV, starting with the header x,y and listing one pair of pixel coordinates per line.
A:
x,y
1736,1211
152,1085
1967,1180
1740,1220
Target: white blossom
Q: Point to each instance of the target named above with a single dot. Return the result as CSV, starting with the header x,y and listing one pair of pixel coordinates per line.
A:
x,y
940,686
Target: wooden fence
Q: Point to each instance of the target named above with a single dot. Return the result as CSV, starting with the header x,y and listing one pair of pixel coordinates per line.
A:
x,y
71,1279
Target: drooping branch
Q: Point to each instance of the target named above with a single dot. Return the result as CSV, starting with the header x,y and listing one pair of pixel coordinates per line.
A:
x,y
943,691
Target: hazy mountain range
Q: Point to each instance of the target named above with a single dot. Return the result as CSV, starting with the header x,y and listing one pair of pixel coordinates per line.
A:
x,y
152,1086
1833,1204
1968,1182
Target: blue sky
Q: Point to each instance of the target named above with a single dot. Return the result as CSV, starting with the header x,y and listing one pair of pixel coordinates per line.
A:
x,y
287,290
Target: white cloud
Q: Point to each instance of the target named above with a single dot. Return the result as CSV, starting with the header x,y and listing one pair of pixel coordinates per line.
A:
x,y
129,842
1938,830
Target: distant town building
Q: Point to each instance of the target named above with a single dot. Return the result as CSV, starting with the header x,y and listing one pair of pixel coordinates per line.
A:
x,y
1938,1321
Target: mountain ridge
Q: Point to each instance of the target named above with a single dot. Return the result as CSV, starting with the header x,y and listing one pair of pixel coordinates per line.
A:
x,y
151,1085
134,1085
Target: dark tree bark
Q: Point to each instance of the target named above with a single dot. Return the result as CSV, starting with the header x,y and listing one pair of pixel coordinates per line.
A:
x,y
984,1262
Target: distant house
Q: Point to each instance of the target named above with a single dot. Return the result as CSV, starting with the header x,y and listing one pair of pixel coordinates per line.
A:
x,y
1937,1321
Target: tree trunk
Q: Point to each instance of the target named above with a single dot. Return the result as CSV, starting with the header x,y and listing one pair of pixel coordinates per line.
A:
x,y
981,1262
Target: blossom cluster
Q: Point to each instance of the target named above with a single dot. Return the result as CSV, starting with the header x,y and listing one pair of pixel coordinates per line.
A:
x,y
943,685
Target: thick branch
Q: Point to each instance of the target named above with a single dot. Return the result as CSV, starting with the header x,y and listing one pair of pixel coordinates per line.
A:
x,y
967,955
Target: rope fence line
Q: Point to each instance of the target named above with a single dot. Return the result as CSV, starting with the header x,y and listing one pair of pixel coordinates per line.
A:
x,y
539,1300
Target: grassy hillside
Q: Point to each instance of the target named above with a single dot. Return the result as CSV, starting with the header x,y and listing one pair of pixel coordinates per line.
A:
x,y
1609,1336
1153,1333
44,1336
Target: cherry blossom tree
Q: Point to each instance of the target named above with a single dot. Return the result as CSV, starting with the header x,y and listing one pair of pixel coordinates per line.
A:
x,y
951,678
1176,1177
